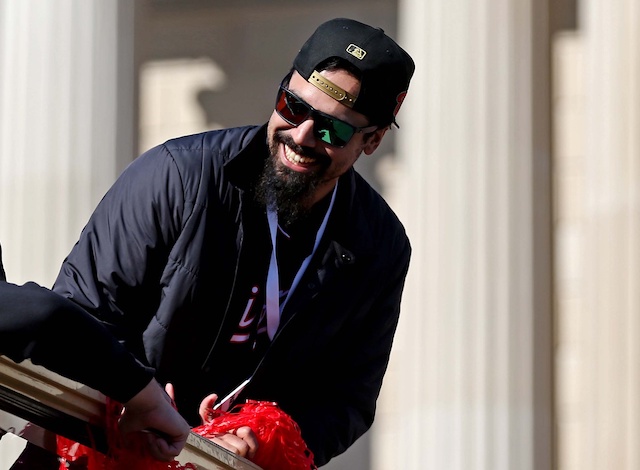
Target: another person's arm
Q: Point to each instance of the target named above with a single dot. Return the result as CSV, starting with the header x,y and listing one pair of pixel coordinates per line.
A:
x,y
37,324
152,409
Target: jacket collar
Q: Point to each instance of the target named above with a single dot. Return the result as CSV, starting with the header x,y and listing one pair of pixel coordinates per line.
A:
x,y
349,225
244,167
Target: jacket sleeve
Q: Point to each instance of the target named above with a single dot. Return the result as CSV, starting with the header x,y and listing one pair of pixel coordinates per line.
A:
x,y
117,263
347,408
37,324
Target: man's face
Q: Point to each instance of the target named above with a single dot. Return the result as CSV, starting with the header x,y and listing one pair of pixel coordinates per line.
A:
x,y
304,167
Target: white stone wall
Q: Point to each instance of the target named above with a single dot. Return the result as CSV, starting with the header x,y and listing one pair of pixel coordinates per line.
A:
x,y
597,165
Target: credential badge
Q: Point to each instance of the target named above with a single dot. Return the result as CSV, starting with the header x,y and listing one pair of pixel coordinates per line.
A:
x,y
356,51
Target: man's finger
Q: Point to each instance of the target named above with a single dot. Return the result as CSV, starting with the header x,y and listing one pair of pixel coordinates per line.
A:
x,y
206,408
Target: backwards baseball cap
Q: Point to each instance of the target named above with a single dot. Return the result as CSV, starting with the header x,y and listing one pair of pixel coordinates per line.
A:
x,y
385,68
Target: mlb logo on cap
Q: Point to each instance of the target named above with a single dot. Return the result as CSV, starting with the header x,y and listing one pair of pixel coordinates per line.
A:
x,y
356,51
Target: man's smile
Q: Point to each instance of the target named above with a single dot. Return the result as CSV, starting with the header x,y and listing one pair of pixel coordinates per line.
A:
x,y
296,158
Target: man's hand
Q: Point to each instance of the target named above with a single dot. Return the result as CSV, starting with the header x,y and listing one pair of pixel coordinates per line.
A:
x,y
241,441
152,410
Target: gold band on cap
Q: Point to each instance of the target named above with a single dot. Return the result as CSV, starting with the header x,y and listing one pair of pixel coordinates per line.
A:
x,y
331,89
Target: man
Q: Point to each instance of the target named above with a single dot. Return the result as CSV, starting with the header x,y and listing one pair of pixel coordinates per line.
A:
x,y
33,324
178,255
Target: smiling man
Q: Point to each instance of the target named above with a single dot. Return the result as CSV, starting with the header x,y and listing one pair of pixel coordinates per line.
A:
x,y
260,253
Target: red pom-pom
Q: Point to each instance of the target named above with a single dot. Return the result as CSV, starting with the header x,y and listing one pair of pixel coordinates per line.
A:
x,y
280,444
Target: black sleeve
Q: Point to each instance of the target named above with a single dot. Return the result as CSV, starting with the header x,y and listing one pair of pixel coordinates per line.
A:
x,y
114,270
38,324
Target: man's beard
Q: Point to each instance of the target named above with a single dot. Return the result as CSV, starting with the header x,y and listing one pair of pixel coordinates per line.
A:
x,y
287,190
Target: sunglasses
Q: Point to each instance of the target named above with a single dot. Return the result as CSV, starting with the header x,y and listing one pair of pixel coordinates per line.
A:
x,y
328,129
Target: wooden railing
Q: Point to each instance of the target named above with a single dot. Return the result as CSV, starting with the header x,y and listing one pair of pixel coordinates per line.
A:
x,y
59,406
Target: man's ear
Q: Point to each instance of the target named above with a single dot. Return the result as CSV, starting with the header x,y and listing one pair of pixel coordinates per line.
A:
x,y
374,140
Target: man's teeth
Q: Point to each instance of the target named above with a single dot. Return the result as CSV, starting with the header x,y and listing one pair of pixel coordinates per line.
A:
x,y
295,158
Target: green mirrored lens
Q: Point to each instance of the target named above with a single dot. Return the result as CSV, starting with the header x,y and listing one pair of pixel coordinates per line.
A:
x,y
343,131
332,131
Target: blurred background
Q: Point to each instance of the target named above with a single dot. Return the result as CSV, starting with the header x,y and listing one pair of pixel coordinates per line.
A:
x,y
516,170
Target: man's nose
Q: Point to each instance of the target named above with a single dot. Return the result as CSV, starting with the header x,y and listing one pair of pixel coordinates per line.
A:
x,y
303,134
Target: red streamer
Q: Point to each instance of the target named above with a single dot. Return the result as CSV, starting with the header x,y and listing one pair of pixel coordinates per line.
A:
x,y
124,454
280,444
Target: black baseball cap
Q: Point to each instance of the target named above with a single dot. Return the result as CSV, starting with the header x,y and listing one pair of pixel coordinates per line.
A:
x,y
385,68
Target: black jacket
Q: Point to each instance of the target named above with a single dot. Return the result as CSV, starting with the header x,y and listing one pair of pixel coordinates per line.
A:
x,y
158,258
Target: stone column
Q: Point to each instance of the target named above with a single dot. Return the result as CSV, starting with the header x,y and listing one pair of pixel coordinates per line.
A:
x,y
471,375
66,123
608,404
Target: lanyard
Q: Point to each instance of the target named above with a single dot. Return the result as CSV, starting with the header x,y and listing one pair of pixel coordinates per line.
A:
x,y
274,309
